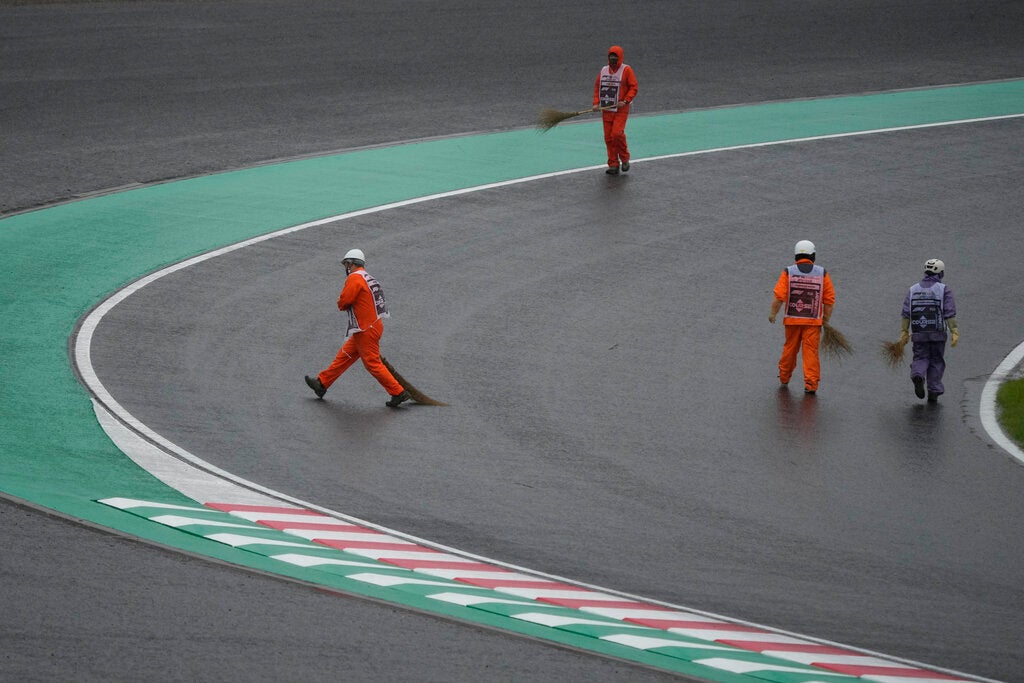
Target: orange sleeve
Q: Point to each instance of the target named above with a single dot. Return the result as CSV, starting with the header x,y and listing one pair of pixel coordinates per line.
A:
x,y
356,295
828,294
782,287
349,293
597,89
629,80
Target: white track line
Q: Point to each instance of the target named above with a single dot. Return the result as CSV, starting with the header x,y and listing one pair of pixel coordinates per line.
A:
x,y
989,411
84,336
114,417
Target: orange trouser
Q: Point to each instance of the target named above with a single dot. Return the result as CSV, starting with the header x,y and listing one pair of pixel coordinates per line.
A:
x,y
615,136
364,345
803,339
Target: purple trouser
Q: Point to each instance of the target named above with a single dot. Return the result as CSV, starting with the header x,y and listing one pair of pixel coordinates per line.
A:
x,y
929,362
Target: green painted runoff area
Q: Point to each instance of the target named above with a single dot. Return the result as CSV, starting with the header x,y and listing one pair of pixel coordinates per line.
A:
x,y
61,261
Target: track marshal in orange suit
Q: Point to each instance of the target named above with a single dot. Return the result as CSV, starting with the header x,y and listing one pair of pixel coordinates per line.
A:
x,y
363,299
805,290
614,89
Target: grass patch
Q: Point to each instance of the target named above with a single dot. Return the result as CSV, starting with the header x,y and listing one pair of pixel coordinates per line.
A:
x,y
1010,399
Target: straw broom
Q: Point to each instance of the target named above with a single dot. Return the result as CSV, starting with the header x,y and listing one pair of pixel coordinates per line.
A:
x,y
892,353
834,343
549,118
416,394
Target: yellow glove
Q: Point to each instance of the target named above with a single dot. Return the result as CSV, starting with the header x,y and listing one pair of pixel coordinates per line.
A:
x,y
954,331
904,338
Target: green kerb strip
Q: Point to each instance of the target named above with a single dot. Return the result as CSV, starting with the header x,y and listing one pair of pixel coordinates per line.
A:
x,y
61,261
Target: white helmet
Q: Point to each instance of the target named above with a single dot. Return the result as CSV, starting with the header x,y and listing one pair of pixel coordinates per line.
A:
x,y
356,256
804,247
934,265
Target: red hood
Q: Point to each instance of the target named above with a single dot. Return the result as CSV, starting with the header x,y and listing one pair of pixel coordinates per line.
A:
x,y
615,49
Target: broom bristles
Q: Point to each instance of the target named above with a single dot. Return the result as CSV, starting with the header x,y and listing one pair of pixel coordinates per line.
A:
x,y
416,394
549,118
834,343
892,353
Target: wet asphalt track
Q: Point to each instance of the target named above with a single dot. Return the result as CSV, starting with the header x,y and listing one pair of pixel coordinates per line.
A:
x,y
628,435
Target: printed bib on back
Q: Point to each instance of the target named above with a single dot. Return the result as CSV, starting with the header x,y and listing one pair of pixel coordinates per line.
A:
x,y
805,293
926,308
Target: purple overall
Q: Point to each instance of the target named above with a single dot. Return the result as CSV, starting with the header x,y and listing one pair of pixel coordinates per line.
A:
x,y
928,305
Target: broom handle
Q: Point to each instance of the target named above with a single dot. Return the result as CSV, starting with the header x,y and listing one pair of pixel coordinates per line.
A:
x,y
587,111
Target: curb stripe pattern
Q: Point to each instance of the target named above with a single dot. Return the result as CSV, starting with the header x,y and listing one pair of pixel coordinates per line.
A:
x,y
310,539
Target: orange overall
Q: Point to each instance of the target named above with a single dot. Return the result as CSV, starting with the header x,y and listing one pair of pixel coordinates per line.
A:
x,y
615,118
364,343
803,332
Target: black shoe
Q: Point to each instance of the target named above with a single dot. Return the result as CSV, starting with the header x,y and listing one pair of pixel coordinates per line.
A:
x,y
933,397
625,166
398,399
810,391
918,386
612,170
315,384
